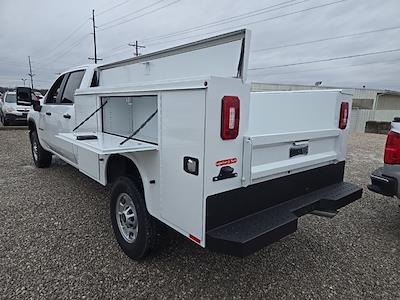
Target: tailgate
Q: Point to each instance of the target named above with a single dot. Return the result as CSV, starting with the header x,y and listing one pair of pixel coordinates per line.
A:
x,y
290,132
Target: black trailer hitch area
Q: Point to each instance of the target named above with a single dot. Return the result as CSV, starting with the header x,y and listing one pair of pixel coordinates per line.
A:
x,y
225,173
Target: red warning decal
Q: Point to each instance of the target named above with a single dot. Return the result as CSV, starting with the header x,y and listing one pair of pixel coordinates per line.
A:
x,y
225,162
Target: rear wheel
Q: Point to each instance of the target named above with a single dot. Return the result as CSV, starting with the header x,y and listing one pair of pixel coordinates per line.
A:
x,y
134,228
41,157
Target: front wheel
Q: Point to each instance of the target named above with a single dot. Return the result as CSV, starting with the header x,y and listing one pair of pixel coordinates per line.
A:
x,y
41,157
134,228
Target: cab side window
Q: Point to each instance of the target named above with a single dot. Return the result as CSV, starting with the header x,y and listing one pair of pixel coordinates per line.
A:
x,y
54,91
73,83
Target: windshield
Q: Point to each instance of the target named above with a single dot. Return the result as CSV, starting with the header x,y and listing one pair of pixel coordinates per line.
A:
x,y
11,98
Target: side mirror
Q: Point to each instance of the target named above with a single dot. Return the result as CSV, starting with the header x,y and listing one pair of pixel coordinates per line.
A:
x,y
24,96
36,105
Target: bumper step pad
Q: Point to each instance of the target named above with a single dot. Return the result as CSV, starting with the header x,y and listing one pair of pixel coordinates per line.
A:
x,y
251,233
383,184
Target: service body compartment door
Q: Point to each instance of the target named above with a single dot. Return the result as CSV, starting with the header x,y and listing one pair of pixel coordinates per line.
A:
x,y
182,136
290,132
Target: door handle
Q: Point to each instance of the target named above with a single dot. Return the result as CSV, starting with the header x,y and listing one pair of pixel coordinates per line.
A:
x,y
67,116
48,113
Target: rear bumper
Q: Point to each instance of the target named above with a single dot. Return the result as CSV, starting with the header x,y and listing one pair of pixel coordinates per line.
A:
x,y
276,207
382,184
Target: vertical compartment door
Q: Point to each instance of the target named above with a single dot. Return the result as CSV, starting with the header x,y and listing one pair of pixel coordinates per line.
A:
x,y
182,135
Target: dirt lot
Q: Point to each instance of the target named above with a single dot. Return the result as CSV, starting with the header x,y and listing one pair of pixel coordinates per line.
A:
x,y
56,241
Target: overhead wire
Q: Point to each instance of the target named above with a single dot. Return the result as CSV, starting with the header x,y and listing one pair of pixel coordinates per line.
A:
x,y
131,13
139,16
327,39
324,69
219,22
51,52
223,20
75,44
325,60
253,22
102,12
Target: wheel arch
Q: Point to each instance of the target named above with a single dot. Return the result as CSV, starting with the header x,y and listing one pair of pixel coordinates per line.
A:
x,y
138,169
31,125
121,165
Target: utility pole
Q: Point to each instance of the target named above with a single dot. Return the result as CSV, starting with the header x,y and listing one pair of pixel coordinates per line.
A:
x,y
94,37
30,72
137,46
24,79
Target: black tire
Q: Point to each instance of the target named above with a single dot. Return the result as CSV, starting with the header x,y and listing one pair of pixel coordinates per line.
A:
x,y
5,122
41,157
147,236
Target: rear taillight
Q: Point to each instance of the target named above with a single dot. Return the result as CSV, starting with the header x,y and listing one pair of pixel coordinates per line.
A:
x,y
392,148
230,117
344,115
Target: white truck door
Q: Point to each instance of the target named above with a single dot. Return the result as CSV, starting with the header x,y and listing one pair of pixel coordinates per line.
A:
x,y
46,118
63,115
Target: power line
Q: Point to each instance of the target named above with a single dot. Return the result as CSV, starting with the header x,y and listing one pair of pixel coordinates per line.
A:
x,y
325,69
222,21
255,22
327,39
324,60
75,44
137,17
51,52
111,8
131,13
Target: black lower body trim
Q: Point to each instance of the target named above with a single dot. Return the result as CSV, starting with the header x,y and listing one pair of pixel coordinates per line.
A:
x,y
251,233
235,204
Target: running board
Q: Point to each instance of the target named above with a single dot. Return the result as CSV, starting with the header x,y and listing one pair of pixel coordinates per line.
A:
x,y
251,233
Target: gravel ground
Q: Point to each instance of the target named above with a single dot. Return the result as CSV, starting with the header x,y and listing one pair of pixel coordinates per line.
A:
x,y
56,241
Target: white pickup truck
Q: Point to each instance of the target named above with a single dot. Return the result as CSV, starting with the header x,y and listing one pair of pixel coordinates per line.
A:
x,y
186,144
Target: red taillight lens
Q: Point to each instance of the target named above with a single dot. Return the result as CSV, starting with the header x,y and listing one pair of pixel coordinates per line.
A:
x,y
344,115
392,148
230,116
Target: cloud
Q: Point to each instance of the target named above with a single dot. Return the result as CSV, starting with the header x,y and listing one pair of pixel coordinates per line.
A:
x,y
42,29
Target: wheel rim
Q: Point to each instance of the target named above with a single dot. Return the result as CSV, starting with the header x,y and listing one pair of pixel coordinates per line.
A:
x,y
126,216
35,150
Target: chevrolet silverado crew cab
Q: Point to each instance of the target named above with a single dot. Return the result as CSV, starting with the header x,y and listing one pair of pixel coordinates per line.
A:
x,y
385,180
185,144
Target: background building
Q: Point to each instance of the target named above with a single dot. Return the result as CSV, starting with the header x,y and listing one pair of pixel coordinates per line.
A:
x,y
368,104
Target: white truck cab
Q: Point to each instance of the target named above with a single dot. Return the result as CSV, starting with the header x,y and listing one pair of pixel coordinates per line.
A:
x,y
186,145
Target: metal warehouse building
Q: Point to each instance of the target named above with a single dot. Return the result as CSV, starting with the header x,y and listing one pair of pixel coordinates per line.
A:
x,y
368,104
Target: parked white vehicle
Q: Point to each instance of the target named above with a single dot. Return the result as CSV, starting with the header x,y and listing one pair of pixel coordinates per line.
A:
x,y
385,180
10,112
186,144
